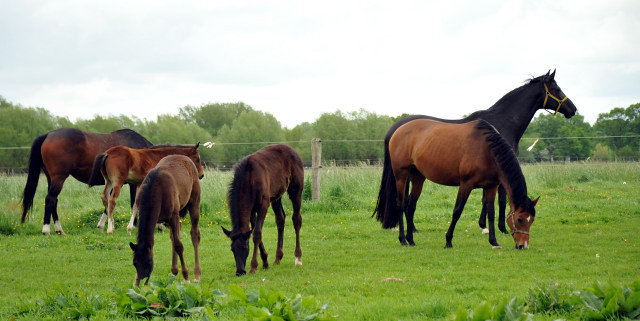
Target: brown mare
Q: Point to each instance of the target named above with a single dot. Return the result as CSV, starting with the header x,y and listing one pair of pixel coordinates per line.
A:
x,y
121,165
259,179
510,116
470,155
168,191
68,151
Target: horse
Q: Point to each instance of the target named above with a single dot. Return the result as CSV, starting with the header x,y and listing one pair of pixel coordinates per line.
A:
x,y
168,192
69,151
469,155
259,179
510,116
121,165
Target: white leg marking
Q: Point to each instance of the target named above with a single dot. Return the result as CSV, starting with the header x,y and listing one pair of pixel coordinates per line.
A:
x,y
46,229
526,244
298,261
498,247
485,231
103,219
58,228
130,226
110,227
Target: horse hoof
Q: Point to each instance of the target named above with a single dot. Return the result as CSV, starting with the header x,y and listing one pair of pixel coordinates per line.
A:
x,y
485,231
298,261
497,247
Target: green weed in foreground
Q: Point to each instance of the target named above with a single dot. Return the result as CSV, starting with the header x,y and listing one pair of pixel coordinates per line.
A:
x,y
600,301
586,229
174,299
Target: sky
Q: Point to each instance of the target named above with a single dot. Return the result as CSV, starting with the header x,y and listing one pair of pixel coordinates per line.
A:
x,y
299,59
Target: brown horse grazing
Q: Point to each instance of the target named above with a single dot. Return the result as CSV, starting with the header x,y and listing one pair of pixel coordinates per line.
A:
x,y
68,151
470,155
259,179
166,194
510,116
121,165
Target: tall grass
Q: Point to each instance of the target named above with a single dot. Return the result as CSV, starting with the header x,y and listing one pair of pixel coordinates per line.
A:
x,y
586,229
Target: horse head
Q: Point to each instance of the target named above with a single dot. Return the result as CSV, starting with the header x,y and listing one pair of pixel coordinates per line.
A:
x,y
195,157
142,261
553,92
240,248
520,221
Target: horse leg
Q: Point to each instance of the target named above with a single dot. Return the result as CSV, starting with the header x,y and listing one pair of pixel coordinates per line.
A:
x,y
296,202
51,206
178,247
417,182
276,205
483,217
489,195
105,201
502,206
461,200
401,183
134,212
194,213
257,238
115,192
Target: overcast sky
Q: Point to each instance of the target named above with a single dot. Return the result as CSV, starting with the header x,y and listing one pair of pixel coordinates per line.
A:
x,y
298,59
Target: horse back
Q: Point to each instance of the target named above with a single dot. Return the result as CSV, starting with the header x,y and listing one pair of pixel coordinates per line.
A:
x,y
445,153
181,174
276,168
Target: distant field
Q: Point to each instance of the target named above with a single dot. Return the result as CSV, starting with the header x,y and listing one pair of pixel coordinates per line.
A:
x,y
586,229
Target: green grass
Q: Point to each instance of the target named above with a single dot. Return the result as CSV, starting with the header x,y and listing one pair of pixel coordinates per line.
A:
x,y
586,229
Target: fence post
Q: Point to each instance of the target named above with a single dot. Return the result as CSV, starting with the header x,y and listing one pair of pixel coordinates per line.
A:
x,y
316,165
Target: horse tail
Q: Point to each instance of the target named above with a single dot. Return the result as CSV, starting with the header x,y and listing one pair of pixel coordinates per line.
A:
x,y
96,174
386,211
35,166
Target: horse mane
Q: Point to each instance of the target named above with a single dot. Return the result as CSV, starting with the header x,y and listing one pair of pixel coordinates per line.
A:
x,y
508,163
146,205
240,171
137,140
507,98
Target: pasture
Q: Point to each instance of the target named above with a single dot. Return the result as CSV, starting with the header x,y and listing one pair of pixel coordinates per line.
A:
x,y
586,229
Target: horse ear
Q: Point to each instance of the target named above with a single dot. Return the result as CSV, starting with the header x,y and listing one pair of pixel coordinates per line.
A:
x,y
548,72
133,246
553,75
226,232
535,201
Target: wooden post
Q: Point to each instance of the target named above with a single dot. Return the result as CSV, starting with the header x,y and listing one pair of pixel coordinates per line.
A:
x,y
316,165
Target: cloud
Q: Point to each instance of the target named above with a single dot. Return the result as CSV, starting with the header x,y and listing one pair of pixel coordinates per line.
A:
x,y
298,59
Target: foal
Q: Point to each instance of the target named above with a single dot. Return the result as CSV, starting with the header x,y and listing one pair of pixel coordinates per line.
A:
x,y
121,165
167,193
259,179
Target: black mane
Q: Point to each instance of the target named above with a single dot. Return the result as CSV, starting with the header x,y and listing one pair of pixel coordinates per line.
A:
x,y
146,205
240,171
509,165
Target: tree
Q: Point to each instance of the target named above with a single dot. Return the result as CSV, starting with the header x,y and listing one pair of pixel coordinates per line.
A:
x,y
212,117
561,138
20,126
621,122
251,126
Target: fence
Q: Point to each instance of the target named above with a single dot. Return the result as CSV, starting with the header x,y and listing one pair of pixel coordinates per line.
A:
x,y
312,151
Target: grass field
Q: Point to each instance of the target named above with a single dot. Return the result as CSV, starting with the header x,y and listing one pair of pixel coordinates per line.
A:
x,y
587,228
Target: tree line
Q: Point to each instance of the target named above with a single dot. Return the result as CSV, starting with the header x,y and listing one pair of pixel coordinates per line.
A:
x,y
238,129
